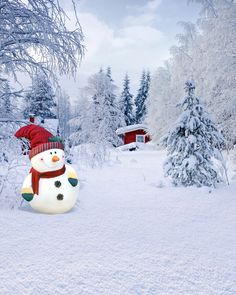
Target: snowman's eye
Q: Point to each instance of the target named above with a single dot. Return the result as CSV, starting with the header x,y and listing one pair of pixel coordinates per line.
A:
x,y
50,153
41,159
55,152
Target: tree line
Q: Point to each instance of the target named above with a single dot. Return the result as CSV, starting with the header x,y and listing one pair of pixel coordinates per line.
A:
x,y
99,111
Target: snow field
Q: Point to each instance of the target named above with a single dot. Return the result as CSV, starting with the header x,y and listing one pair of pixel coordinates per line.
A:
x,y
132,233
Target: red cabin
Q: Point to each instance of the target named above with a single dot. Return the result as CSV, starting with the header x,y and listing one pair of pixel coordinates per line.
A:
x,y
134,133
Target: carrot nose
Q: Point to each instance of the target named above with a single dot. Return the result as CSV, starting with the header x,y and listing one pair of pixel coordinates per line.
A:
x,y
55,159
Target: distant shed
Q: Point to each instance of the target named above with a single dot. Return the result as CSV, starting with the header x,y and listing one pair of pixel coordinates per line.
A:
x,y
134,133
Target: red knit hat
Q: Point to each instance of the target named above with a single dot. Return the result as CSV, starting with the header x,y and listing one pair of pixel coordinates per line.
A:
x,y
40,139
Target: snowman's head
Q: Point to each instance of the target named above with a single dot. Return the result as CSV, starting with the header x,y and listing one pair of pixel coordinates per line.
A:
x,y
50,160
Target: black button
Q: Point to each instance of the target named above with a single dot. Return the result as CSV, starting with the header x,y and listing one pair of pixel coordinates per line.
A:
x,y
60,197
57,183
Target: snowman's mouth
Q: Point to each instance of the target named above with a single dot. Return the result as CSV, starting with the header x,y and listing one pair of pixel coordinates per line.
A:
x,y
53,164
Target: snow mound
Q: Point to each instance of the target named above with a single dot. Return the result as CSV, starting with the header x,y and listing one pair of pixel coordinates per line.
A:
x,y
135,146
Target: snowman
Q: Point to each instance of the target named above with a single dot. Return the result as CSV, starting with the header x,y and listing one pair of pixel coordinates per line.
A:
x,y
51,186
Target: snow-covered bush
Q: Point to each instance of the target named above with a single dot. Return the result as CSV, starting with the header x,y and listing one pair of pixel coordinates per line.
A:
x,y
90,155
192,144
14,167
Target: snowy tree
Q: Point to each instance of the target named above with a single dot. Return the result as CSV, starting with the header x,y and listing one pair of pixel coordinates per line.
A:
x,y
86,136
41,98
205,53
160,106
192,144
218,42
114,107
13,166
126,102
166,85
10,101
6,107
109,75
97,117
107,116
33,35
63,113
81,124
182,63
140,100
148,81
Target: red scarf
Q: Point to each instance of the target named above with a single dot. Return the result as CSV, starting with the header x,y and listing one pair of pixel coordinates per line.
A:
x,y
37,175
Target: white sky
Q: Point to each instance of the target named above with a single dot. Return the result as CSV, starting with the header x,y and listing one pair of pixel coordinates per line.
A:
x,y
128,35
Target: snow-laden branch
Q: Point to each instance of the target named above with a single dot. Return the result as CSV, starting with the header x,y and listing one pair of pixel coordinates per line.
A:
x,y
33,34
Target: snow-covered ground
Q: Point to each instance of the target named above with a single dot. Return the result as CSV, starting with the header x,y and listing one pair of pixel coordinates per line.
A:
x,y
128,235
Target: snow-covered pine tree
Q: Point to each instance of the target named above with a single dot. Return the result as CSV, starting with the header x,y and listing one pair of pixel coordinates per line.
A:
x,y
126,102
192,144
41,98
140,100
148,81
109,73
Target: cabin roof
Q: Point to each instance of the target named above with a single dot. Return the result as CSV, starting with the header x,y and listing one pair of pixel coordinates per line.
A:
x,y
131,128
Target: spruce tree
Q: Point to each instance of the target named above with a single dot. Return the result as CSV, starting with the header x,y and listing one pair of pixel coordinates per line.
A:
x,y
114,115
148,82
41,98
109,74
126,102
141,98
192,144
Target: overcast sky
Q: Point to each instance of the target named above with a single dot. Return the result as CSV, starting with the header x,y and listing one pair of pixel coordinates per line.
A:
x,y
128,35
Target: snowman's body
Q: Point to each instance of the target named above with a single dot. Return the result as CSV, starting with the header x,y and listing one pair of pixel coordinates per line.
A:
x,y
56,195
